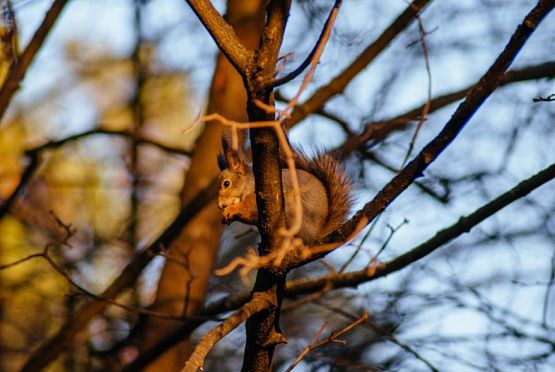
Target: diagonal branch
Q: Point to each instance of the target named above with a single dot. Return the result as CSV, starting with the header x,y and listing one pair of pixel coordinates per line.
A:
x,y
487,84
23,181
223,34
207,342
380,129
17,73
340,82
462,226
318,47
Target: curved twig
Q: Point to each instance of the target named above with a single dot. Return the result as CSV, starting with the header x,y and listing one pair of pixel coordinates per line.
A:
x,y
322,39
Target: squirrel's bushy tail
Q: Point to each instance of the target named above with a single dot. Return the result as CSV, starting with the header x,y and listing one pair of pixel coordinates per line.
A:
x,y
334,178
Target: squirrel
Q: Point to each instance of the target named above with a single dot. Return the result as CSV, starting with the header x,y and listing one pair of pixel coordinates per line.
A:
x,y
324,185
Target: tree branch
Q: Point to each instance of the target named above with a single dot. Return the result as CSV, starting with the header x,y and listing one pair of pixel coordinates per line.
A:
x,y
487,84
223,34
380,129
333,337
23,180
123,133
17,73
318,47
340,82
463,225
207,342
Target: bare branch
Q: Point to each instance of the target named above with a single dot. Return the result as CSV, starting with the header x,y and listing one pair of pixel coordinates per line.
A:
x,y
318,48
376,328
122,133
333,337
17,73
487,84
207,342
549,98
223,34
426,107
340,82
463,225
23,180
379,130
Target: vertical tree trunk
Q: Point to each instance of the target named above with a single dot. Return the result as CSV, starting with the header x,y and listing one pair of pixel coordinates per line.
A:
x,y
197,244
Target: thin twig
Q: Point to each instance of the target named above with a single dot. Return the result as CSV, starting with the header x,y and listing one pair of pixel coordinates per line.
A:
x,y
391,337
379,129
426,107
100,131
340,82
332,338
318,47
549,98
360,244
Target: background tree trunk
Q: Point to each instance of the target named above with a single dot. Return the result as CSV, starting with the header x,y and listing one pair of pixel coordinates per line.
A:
x,y
180,286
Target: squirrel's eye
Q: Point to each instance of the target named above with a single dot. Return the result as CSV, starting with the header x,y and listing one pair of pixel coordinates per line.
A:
x,y
227,183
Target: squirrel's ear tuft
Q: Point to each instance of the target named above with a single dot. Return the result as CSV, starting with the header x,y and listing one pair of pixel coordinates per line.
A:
x,y
222,163
222,157
234,161
225,143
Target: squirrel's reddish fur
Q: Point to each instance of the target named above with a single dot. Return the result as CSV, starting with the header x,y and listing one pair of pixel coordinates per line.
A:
x,y
325,192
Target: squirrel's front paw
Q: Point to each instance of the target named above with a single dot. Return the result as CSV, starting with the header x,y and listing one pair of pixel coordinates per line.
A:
x,y
227,218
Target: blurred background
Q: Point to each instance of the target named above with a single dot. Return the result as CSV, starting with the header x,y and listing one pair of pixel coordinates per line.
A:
x,y
96,145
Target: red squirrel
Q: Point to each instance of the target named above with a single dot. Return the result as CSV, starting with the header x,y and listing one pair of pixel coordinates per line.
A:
x,y
325,192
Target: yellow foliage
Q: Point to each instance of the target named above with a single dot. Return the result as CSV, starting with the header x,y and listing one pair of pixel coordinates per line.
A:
x,y
12,138
165,98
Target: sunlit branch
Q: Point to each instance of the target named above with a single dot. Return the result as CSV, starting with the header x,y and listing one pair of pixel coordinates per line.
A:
x,y
17,72
223,34
207,342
